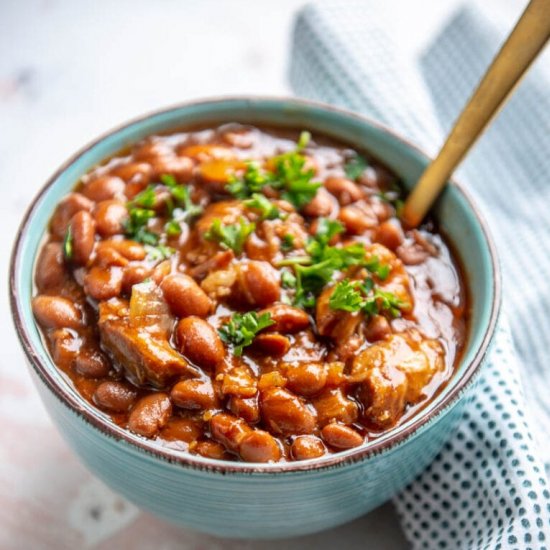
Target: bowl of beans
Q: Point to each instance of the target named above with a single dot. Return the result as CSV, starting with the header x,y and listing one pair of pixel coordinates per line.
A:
x,y
230,325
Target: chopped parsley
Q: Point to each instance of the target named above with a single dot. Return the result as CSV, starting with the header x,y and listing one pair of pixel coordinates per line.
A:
x,y
230,236
289,175
355,167
159,252
252,181
68,244
316,269
266,209
180,208
242,328
380,270
287,242
135,225
180,194
288,280
353,296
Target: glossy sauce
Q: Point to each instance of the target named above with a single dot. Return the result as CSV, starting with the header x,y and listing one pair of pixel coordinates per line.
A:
x,y
138,325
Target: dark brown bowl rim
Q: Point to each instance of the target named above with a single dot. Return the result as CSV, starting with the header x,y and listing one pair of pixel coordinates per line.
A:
x,y
88,414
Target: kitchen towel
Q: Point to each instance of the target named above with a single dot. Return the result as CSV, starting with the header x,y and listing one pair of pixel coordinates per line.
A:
x,y
488,487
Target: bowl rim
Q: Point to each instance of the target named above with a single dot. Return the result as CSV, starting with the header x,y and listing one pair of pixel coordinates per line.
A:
x,y
82,409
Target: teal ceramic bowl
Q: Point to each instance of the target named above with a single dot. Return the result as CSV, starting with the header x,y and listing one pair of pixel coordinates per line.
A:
x,y
267,500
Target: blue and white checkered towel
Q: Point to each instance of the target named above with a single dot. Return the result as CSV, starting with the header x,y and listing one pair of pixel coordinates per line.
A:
x,y
488,487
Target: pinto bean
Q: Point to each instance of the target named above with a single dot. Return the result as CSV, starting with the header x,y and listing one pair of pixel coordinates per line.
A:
x,y
273,344
306,447
161,271
64,345
66,209
179,167
151,150
114,396
344,189
229,430
306,379
131,250
103,283
258,283
150,414
378,328
50,267
83,234
55,312
259,446
341,437
110,216
92,363
247,408
185,297
389,234
133,275
333,405
104,188
199,342
210,449
181,429
357,220
239,381
287,319
194,393
284,413
133,172
322,204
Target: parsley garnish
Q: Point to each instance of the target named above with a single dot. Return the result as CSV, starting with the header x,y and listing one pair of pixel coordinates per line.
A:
x,y
135,226
68,244
267,210
355,167
289,175
242,328
252,181
380,270
317,268
288,280
287,242
180,193
355,296
230,236
159,252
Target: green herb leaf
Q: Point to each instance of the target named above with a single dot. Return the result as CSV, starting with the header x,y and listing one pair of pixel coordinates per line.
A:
x,y
230,236
146,198
241,329
380,270
288,280
267,210
347,296
252,181
68,244
135,226
287,242
159,252
355,167
173,228
181,195
364,296
303,140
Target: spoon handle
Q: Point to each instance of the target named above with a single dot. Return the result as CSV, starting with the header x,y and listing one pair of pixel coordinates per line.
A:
x,y
525,42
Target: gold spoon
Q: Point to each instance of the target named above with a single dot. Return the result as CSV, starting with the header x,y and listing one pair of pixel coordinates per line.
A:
x,y
525,42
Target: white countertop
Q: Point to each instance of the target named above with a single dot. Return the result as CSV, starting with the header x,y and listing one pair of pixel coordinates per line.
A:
x,y
69,71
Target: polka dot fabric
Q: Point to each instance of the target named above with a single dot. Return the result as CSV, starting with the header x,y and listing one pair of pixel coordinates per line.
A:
x,y
487,489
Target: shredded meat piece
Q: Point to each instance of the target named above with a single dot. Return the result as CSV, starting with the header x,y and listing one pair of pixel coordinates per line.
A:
x,y
145,355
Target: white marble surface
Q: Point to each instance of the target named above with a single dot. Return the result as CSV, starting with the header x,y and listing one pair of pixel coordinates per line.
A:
x,y
68,71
